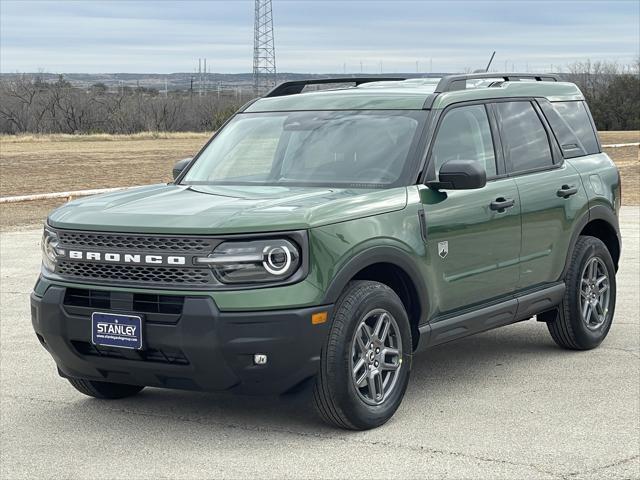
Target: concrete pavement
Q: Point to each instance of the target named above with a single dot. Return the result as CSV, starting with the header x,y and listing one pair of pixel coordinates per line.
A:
x,y
504,404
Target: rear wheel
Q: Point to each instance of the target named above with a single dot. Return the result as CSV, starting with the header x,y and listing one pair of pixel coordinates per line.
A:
x,y
584,318
104,390
366,361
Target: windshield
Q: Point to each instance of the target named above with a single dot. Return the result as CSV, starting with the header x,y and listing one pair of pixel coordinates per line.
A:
x,y
323,148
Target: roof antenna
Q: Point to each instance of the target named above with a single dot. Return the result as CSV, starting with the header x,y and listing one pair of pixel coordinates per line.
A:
x,y
490,60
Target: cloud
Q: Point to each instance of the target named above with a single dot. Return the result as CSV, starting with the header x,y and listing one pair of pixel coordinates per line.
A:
x,y
313,36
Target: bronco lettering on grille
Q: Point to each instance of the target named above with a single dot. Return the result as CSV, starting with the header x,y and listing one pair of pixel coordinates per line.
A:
x,y
127,258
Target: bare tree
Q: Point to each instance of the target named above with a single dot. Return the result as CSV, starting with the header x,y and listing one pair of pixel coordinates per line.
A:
x,y
29,104
19,102
612,91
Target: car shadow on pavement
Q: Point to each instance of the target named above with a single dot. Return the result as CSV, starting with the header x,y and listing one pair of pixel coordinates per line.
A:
x,y
435,374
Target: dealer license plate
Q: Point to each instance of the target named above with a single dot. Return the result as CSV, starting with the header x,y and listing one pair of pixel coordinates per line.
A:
x,y
113,330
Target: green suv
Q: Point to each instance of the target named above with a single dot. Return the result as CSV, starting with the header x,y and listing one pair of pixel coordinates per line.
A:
x,y
329,235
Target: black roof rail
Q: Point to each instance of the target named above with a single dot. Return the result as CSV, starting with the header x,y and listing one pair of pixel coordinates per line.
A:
x,y
296,86
458,82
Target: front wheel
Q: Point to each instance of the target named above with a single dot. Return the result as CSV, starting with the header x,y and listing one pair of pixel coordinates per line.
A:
x,y
584,318
366,360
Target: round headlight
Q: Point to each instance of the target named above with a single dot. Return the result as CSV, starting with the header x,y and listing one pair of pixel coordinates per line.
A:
x,y
277,259
254,261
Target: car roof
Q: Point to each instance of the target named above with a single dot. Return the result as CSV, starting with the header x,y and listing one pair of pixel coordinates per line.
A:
x,y
414,94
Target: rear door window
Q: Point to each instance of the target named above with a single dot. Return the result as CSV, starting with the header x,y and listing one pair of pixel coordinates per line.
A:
x,y
524,138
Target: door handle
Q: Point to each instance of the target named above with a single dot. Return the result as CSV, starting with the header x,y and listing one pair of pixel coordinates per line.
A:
x,y
566,191
501,204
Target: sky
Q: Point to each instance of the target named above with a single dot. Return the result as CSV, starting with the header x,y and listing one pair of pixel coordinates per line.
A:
x,y
162,36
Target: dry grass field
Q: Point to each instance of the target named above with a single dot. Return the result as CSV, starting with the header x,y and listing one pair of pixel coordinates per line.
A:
x,y
54,163
57,163
608,138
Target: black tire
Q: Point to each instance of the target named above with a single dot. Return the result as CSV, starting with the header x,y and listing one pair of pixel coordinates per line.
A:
x,y
335,395
104,390
567,328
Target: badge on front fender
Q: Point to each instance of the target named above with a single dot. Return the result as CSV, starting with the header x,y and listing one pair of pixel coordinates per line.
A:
x,y
443,249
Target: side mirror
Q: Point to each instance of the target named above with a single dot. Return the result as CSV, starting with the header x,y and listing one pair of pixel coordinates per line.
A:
x,y
180,166
460,175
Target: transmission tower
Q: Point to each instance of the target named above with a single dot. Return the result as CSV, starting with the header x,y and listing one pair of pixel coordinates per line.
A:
x,y
264,52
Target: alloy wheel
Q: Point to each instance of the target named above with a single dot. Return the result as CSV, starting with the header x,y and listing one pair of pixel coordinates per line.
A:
x,y
594,293
376,356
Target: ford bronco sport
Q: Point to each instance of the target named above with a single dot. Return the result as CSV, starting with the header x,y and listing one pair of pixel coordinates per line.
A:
x,y
330,235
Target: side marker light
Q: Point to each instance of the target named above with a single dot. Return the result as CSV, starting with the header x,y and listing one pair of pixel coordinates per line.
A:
x,y
319,317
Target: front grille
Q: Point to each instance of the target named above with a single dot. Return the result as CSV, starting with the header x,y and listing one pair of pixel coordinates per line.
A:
x,y
185,275
77,297
161,309
140,274
163,355
136,242
157,303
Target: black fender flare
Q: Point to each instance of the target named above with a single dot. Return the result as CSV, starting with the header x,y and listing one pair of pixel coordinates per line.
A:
x,y
380,254
597,212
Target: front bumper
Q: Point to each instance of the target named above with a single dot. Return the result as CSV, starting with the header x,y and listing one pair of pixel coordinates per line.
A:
x,y
203,349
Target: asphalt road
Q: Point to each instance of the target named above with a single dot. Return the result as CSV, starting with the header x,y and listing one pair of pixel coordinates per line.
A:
x,y
503,404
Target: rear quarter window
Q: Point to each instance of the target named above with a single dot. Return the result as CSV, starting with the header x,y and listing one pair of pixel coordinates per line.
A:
x,y
572,127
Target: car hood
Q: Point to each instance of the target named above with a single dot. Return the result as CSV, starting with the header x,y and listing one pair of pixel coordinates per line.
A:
x,y
223,209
